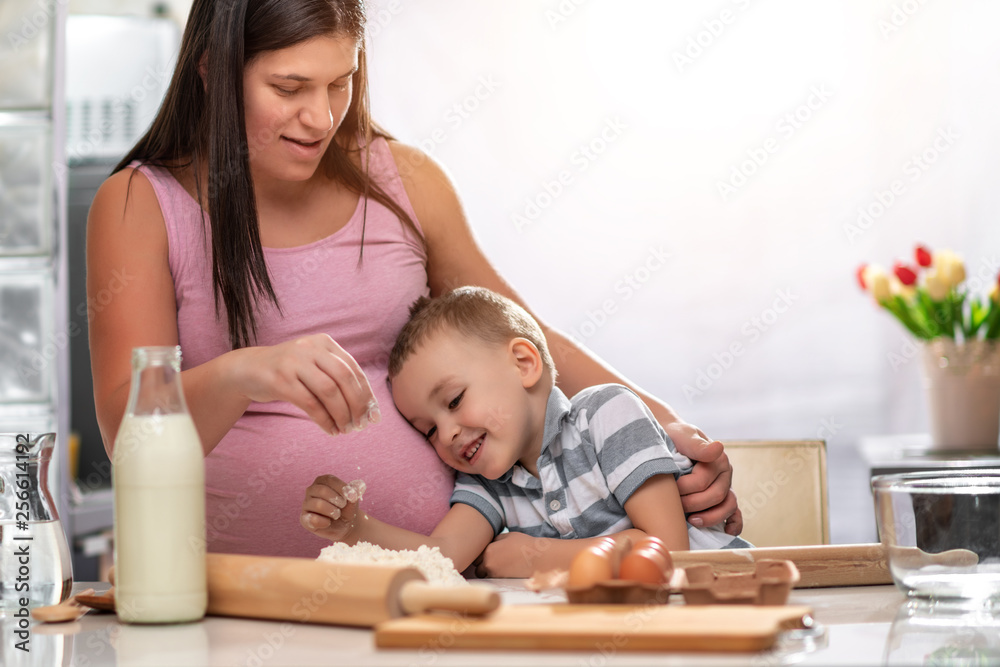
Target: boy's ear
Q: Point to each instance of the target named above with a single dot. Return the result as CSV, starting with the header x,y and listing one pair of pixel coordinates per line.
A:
x,y
529,361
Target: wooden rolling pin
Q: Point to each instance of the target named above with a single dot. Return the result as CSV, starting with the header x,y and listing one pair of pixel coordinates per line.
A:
x,y
312,591
819,566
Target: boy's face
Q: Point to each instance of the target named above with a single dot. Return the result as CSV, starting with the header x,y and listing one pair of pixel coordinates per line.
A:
x,y
469,398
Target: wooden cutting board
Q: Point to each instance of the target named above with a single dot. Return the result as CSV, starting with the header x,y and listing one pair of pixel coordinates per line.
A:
x,y
605,628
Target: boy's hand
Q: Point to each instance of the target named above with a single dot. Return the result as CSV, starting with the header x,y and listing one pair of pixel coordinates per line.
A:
x,y
510,555
330,509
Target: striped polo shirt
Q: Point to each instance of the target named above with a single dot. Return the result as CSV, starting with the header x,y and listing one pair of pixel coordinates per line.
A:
x,y
596,451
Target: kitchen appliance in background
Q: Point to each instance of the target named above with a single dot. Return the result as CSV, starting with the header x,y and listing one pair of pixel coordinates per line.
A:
x,y
117,71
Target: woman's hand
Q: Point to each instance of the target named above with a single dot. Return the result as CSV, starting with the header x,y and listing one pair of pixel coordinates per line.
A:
x,y
330,509
313,373
705,493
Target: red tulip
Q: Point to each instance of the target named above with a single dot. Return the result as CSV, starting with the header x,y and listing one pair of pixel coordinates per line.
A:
x,y
923,255
861,276
906,275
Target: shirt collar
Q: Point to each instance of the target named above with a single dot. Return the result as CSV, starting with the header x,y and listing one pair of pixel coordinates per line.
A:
x,y
556,409
555,412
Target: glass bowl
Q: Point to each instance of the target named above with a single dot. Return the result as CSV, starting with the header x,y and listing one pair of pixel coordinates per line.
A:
x,y
942,533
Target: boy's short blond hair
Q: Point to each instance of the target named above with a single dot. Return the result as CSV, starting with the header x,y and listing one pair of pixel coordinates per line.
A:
x,y
473,311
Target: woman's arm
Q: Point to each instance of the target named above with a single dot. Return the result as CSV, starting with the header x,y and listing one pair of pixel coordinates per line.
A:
x,y
130,296
455,259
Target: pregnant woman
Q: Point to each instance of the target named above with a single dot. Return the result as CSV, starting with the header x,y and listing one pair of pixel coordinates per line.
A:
x,y
263,224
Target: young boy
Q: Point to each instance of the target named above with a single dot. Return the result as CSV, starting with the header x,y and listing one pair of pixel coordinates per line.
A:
x,y
472,372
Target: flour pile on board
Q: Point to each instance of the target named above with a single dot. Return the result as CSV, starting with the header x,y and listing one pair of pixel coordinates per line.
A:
x,y
435,567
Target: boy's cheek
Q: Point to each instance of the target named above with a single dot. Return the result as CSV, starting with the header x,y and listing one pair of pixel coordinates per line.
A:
x,y
446,457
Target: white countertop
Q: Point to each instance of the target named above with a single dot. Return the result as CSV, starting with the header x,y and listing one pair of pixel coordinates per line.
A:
x,y
859,626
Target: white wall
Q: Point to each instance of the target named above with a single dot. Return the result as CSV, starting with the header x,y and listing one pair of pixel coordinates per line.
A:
x,y
767,267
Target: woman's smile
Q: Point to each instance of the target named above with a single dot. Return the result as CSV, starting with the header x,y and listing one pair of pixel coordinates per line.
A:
x,y
304,149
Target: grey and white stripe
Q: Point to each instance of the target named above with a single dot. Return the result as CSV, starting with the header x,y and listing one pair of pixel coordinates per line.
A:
x,y
597,450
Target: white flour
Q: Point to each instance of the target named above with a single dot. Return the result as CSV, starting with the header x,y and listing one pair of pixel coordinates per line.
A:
x,y
435,567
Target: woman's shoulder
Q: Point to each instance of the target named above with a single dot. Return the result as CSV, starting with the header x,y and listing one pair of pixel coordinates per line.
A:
x,y
127,196
128,185
417,165
427,183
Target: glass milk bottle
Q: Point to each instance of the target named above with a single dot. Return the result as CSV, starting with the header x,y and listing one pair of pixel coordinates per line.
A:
x,y
159,481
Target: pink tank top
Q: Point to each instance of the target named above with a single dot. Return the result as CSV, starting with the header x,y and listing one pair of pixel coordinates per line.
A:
x,y
257,476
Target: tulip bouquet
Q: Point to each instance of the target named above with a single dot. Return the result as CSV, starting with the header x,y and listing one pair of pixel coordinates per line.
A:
x,y
928,298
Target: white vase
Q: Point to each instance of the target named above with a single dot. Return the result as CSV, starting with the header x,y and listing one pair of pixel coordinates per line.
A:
x,y
963,393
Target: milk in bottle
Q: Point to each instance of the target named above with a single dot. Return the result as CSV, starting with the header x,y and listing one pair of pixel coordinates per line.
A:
x,y
159,485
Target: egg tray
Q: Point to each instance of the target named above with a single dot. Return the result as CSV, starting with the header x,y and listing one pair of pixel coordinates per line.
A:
x,y
618,591
769,584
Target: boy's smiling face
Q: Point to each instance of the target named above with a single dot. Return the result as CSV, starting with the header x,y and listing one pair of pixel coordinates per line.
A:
x,y
470,399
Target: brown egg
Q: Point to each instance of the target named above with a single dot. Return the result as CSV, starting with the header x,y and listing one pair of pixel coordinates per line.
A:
x,y
655,543
646,566
591,566
607,543
617,547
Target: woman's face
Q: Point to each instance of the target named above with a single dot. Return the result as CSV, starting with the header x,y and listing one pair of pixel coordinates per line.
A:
x,y
295,99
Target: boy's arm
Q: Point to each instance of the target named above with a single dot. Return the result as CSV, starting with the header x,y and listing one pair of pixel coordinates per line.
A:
x,y
517,555
461,535
639,465
331,511
655,508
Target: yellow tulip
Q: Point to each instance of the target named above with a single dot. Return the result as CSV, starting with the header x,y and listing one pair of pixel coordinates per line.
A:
x,y
879,282
950,267
868,272
897,287
937,287
957,272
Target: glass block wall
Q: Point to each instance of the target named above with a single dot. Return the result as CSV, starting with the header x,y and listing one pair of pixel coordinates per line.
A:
x,y
34,338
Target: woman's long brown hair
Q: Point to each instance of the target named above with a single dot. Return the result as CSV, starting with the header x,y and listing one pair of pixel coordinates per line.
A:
x,y
202,122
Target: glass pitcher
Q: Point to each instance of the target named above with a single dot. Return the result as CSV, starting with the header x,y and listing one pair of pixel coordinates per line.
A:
x,y
35,563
